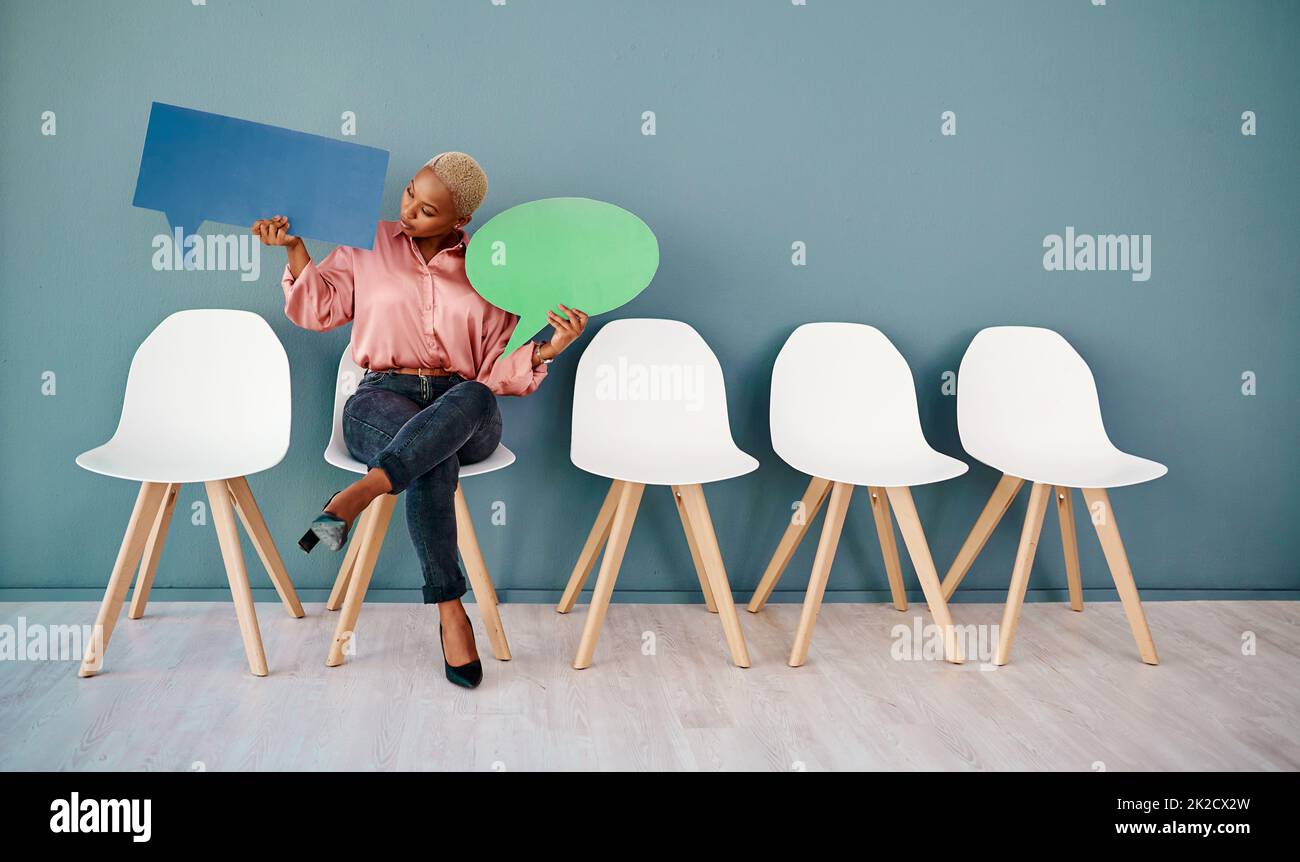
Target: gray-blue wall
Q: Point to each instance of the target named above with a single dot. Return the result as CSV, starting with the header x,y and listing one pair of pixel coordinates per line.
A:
x,y
775,124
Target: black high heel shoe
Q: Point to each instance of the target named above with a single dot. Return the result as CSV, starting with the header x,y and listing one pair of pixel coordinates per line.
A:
x,y
467,675
332,529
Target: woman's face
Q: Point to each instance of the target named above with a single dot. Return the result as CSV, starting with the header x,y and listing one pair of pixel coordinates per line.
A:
x,y
427,207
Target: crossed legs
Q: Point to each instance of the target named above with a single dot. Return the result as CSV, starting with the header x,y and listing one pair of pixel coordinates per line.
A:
x,y
413,433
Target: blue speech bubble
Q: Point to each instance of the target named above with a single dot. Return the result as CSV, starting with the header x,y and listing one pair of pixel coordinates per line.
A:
x,y
199,166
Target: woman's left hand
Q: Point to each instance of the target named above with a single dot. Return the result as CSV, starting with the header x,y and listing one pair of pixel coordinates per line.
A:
x,y
566,330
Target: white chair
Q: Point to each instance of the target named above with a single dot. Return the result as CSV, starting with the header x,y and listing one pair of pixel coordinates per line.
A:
x,y
368,533
207,400
650,408
844,411
1027,406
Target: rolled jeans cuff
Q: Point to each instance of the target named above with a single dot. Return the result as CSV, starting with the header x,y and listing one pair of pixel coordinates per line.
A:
x,y
445,593
398,476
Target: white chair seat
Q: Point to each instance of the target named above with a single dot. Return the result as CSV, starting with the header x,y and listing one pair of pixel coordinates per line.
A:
x,y
673,433
207,398
502,457
173,461
1027,405
671,466
1081,469
893,467
844,409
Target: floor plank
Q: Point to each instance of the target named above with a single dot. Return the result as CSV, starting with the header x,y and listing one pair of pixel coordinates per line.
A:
x,y
662,694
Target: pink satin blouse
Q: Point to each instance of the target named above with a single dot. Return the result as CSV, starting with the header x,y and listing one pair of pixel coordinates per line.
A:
x,y
406,313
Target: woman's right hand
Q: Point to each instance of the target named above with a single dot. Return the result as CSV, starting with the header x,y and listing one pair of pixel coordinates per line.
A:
x,y
274,231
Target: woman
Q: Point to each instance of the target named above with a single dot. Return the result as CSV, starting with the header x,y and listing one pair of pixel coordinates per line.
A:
x,y
432,348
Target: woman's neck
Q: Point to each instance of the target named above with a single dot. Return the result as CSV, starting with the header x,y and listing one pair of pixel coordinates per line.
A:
x,y
431,245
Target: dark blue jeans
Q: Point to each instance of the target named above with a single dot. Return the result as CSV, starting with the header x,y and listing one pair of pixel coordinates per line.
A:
x,y
419,430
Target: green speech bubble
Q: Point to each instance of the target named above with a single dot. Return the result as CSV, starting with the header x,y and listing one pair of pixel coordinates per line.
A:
x,y
586,254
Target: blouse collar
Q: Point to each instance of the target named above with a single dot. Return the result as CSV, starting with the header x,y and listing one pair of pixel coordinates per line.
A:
x,y
459,247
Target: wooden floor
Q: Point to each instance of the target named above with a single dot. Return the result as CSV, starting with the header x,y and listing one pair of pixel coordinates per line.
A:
x,y
176,694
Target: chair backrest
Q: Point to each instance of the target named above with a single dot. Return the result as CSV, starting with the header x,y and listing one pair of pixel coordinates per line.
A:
x,y
651,383
213,379
1025,389
841,387
345,383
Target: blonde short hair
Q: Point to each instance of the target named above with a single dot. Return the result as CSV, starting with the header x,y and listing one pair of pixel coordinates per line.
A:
x,y
463,178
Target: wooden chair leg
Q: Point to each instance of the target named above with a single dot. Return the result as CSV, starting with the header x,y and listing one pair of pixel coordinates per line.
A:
x,y
591,550
697,510
1007,488
691,543
1020,572
888,547
909,523
1070,544
152,551
841,492
340,588
260,535
629,498
479,580
816,494
223,518
372,539
147,503
1117,559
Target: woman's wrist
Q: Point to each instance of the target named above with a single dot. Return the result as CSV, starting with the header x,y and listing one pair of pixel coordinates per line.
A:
x,y
298,256
543,352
